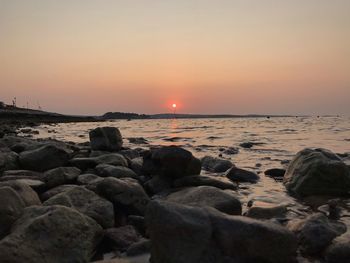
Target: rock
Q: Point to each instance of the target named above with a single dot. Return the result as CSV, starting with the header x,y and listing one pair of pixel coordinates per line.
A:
x,y
84,179
231,150
106,170
315,233
215,164
199,180
37,185
44,158
267,212
190,234
138,140
59,176
275,172
106,139
8,161
11,207
138,222
87,203
125,193
339,251
26,193
130,153
207,196
136,165
22,174
158,184
249,145
317,172
141,247
91,162
121,238
240,175
57,190
51,234
172,161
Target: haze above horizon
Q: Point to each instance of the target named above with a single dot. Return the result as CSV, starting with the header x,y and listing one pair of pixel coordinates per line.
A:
x,y
208,56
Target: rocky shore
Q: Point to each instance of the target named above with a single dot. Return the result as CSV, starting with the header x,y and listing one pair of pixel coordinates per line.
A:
x,y
103,202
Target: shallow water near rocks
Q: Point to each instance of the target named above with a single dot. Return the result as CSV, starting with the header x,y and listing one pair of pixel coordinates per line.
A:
x,y
277,138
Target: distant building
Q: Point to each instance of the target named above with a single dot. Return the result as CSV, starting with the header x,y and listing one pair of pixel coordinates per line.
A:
x,y
2,105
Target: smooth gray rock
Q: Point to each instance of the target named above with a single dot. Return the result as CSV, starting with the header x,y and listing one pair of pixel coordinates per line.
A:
x,y
200,180
8,161
121,238
44,158
11,207
207,196
158,184
316,232
27,194
216,165
85,179
317,172
87,203
55,234
125,193
91,162
57,190
107,170
59,176
106,139
240,175
183,234
257,212
275,172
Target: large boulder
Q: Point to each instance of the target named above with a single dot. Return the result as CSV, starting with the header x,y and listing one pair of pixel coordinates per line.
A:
x,y
171,161
240,175
107,170
315,233
27,194
11,207
51,234
44,158
216,165
85,179
188,234
106,139
87,203
207,196
59,176
339,251
126,194
317,172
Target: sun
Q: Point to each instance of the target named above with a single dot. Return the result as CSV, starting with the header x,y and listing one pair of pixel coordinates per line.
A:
x,y
174,105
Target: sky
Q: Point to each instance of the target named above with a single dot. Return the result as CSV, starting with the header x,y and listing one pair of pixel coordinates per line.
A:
x,y
207,56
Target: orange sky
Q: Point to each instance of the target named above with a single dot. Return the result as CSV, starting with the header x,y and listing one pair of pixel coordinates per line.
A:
x,y
208,56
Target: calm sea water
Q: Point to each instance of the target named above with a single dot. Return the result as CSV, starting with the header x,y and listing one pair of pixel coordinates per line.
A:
x,y
280,139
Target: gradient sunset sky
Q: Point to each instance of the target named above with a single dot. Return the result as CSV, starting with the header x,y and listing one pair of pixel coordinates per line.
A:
x,y
208,56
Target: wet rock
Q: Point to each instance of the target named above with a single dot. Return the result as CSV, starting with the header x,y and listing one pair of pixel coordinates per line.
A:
x,y
210,236
240,175
138,140
11,207
85,179
87,203
51,234
171,161
59,176
44,158
315,232
106,139
106,170
121,238
317,172
275,172
27,194
231,150
91,162
207,196
215,164
125,193
249,145
57,190
200,180
267,212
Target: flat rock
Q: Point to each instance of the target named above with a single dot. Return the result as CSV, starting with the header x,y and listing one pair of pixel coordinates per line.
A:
x,y
240,175
59,176
107,170
201,180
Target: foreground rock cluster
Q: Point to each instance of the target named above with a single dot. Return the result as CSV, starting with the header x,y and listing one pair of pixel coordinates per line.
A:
x,y
65,202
